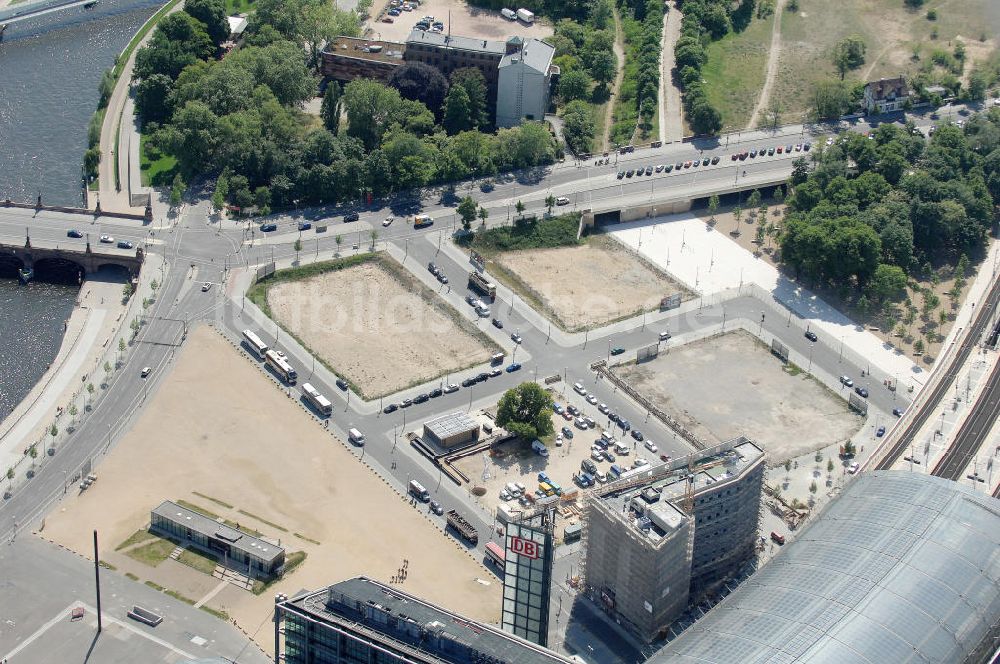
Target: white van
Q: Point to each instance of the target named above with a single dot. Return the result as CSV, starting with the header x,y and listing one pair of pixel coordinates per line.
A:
x,y
608,438
483,310
497,358
356,437
579,389
664,336
508,14
539,448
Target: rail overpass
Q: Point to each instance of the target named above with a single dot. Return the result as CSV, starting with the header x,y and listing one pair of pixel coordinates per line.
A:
x,y
23,12
63,263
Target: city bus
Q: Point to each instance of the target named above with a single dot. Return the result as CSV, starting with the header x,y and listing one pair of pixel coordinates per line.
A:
x,y
495,554
422,221
318,401
279,364
481,284
254,343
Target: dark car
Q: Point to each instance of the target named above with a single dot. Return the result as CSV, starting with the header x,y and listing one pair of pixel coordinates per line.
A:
x,y
806,146
513,367
435,507
706,161
432,268
649,170
351,216
341,383
753,154
629,173
74,233
567,432
442,278
420,398
391,408
715,160
679,165
468,382
621,174
304,225
573,410
617,351
898,412
609,456
482,377
267,228
861,391
497,323
624,424
436,392
880,432
810,335
636,434
669,168
613,416
125,244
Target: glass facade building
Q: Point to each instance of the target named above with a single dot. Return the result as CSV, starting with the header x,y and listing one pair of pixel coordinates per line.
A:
x,y
527,578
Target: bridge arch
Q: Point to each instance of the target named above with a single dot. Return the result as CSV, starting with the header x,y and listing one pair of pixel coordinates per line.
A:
x,y
59,270
9,266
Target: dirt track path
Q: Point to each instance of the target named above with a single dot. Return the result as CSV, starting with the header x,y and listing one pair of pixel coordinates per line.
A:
x,y
774,54
609,111
671,123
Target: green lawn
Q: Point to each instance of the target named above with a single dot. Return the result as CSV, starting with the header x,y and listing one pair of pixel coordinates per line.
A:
x,y
135,538
238,6
152,554
734,73
157,169
199,561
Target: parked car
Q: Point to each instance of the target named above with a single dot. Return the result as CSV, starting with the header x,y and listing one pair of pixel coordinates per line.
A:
x,y
609,456
442,277
621,174
650,446
268,228
516,338
659,168
629,173
74,233
573,410
649,170
880,432
562,200
617,350
497,323
145,372
107,239
468,382
810,335
624,424
898,412
513,367
636,434
391,408
566,431
861,391
436,392
450,387
433,268
406,403
777,537
125,244
206,286
715,160
603,408
421,398
495,371
304,225
846,381
435,507
351,216
854,468
591,399
388,220
342,384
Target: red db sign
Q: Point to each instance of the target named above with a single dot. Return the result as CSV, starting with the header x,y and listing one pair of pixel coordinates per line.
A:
x,y
524,547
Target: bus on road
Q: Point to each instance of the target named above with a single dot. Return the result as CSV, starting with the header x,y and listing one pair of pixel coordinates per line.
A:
x,y
279,364
481,284
318,401
254,343
422,221
495,554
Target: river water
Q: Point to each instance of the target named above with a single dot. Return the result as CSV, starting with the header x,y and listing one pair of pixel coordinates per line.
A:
x,y
50,68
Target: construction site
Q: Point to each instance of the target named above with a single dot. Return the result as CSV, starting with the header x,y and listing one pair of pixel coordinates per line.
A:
x,y
662,536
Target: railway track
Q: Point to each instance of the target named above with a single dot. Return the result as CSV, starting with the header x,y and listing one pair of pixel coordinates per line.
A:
x,y
973,431
972,337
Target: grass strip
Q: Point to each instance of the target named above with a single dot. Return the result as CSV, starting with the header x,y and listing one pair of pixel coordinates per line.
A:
x,y
307,539
292,561
135,538
152,554
218,502
263,520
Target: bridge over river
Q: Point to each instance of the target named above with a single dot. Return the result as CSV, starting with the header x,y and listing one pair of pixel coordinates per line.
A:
x,y
64,264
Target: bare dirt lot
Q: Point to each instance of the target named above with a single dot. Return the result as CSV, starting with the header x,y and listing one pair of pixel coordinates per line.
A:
x,y
588,285
374,329
730,385
465,21
281,474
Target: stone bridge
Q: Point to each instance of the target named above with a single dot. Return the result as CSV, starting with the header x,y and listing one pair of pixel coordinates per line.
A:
x,y
63,264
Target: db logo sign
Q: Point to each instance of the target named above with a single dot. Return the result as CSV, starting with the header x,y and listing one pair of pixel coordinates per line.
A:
x,y
524,547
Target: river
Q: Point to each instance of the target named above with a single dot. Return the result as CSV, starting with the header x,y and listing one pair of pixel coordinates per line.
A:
x,y
50,68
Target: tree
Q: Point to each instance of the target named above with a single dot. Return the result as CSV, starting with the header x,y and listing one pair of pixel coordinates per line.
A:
x,y
779,196
338,239
483,214
519,207
373,234
737,214
705,118
713,205
550,202
457,111
525,411
298,247
221,191
813,488
152,98
467,210
178,41
213,14
754,200
849,54
474,84
420,82
578,126
829,466
918,346
330,109
574,84
830,99
773,115
121,345
604,67
761,230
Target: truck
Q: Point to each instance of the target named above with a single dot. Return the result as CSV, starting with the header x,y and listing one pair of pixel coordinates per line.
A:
x,y
508,14
418,491
526,16
481,284
462,527
356,437
422,221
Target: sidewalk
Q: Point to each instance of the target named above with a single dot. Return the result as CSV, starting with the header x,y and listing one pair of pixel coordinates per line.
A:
x,y
708,262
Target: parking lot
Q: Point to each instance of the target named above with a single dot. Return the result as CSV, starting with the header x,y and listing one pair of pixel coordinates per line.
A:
x,y
730,385
516,462
465,21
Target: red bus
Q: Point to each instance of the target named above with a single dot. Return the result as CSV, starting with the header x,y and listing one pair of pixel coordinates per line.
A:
x,y
495,554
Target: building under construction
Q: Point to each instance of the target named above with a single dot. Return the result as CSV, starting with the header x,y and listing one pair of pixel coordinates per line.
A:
x,y
660,535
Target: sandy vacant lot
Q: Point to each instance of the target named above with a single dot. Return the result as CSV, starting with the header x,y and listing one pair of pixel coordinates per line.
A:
x,y
465,21
375,330
257,451
591,284
730,385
